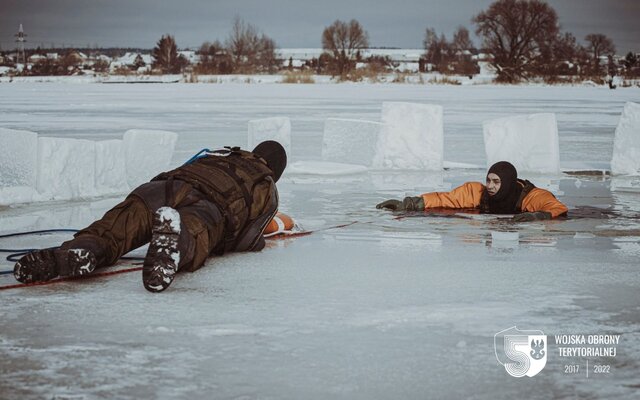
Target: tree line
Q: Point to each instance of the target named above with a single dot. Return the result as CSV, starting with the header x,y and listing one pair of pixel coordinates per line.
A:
x,y
520,39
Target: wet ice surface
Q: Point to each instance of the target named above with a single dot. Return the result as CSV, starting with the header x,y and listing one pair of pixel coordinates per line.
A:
x,y
385,308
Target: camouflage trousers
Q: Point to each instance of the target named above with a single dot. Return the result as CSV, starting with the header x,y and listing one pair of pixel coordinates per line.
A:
x,y
128,225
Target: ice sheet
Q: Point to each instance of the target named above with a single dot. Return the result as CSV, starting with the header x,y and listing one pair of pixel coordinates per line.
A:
x,y
147,153
383,308
66,168
411,137
626,143
323,168
19,158
111,174
350,141
529,142
273,128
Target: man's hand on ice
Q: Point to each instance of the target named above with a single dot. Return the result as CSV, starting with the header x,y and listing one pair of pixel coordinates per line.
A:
x,y
531,216
408,204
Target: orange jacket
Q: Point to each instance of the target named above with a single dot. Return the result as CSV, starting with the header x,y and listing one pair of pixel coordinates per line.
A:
x,y
469,195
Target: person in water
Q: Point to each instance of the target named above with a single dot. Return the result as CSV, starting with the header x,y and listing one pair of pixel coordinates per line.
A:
x,y
503,193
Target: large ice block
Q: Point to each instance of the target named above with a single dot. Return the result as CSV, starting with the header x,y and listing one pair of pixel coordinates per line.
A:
x,y
147,153
18,158
274,128
529,142
66,168
111,173
626,142
411,137
350,141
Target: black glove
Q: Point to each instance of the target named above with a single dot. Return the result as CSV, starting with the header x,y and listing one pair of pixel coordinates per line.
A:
x,y
408,204
392,205
531,216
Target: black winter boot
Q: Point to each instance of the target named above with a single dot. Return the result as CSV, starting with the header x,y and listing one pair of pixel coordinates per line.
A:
x,y
44,265
163,257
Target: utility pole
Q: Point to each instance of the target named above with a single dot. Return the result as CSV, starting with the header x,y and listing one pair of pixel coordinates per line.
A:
x,y
20,39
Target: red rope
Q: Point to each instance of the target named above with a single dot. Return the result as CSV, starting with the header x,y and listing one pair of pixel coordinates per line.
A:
x,y
72,278
123,271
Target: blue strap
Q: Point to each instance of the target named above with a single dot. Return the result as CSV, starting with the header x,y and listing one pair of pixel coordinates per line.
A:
x,y
200,154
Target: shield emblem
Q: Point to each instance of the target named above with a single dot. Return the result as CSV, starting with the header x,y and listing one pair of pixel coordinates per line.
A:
x,y
521,352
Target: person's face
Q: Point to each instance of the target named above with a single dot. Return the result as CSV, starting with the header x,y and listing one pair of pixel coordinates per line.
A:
x,y
493,184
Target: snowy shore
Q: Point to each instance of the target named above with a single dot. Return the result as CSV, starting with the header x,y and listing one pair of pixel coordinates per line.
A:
x,y
431,79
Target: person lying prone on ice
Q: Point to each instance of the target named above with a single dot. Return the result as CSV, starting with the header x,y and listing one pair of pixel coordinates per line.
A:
x,y
224,201
504,193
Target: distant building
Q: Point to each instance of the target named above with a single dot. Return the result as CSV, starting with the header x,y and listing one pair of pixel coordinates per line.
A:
x,y
36,57
129,61
190,55
102,57
406,59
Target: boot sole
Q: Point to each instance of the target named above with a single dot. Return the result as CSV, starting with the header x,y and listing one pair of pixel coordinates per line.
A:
x,y
44,265
162,259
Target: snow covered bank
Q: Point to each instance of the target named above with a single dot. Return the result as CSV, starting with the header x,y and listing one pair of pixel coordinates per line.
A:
x,y
401,78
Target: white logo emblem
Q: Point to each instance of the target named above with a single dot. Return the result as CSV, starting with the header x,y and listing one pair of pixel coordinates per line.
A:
x,y
521,352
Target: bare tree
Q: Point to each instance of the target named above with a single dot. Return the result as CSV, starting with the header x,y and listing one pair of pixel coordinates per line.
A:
x,y
165,56
214,59
566,55
250,51
437,50
342,42
599,45
514,32
450,57
461,40
266,54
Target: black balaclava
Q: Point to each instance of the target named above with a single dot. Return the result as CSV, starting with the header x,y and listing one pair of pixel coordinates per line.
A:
x,y
505,201
275,156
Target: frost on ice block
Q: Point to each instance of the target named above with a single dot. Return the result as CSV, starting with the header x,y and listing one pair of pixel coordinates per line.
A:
x,y
275,128
626,142
147,153
411,137
529,142
350,141
66,168
18,160
111,174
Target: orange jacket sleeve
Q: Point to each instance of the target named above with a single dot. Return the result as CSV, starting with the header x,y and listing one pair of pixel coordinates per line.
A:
x,y
466,196
543,200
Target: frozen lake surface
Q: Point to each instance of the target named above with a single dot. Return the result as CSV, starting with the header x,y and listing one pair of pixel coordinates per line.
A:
x,y
386,307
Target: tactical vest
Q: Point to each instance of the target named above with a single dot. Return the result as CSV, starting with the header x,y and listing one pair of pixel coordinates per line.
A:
x,y
229,178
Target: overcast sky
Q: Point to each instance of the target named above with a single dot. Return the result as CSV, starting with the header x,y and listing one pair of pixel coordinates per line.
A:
x,y
291,23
